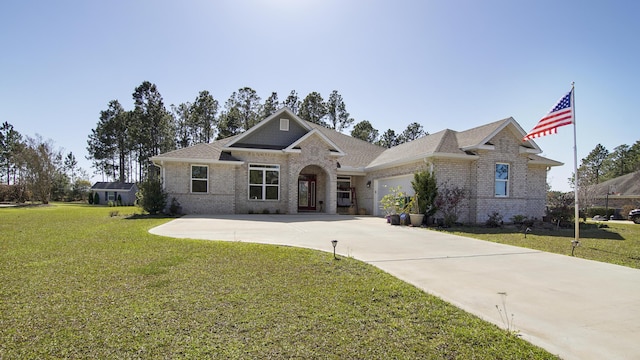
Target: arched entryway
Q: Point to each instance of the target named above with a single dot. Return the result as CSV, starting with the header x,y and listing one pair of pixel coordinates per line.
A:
x,y
312,192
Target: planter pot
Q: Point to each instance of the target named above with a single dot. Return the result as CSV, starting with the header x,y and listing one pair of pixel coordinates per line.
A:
x,y
395,219
416,219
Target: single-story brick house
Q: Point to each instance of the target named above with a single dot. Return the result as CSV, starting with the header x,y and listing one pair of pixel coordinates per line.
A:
x,y
287,165
109,191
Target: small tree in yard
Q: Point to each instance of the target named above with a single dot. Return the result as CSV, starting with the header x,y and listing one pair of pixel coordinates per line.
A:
x,y
152,198
447,201
426,189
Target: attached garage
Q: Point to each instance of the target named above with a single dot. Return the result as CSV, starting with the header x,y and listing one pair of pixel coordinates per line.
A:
x,y
382,187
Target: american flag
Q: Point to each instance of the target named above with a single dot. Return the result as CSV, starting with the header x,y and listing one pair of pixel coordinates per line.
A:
x,y
561,114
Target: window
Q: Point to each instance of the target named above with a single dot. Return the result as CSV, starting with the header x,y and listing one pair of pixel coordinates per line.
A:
x,y
284,124
502,180
344,191
199,178
264,182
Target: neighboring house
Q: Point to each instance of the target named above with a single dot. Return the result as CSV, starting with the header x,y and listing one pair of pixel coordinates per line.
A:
x,y
288,165
109,191
617,192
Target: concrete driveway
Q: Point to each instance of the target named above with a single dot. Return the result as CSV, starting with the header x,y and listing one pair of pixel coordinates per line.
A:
x,y
575,308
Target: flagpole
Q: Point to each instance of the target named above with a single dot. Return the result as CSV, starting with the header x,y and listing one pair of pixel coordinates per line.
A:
x,y
575,169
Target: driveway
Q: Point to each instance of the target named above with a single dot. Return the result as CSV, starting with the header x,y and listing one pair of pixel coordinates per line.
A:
x,y
575,308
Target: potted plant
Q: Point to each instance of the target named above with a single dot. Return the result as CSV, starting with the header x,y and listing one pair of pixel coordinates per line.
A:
x,y
416,217
393,204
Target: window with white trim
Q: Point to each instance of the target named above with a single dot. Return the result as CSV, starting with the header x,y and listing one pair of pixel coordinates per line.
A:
x,y
264,182
199,178
284,124
502,180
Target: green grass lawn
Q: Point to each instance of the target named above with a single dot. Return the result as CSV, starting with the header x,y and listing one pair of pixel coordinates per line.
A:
x,y
614,243
79,283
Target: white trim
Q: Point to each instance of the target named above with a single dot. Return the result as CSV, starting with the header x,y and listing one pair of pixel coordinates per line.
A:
x,y
437,155
547,162
159,161
479,147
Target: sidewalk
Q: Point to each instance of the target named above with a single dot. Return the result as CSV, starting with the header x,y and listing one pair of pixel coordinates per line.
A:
x,y
575,308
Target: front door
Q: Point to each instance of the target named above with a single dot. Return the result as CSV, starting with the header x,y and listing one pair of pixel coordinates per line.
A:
x,y
307,193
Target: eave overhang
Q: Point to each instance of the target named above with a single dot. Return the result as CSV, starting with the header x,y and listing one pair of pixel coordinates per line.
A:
x,y
161,160
425,157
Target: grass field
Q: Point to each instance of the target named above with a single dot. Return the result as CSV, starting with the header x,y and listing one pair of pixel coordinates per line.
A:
x,y
77,282
611,242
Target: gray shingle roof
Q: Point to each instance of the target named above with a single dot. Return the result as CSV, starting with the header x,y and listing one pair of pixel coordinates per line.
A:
x,y
358,153
205,151
625,185
113,186
477,135
361,154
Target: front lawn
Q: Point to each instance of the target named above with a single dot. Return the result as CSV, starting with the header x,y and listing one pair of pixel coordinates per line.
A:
x,y
611,242
77,282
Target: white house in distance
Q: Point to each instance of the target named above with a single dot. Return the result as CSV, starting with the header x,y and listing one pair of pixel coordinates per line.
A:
x,y
110,191
287,165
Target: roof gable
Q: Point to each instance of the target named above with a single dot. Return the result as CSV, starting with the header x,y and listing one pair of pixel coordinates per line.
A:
x,y
357,153
276,132
480,137
332,147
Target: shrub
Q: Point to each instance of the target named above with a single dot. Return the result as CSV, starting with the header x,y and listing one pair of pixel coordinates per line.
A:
x,y
119,200
90,198
14,193
518,219
151,197
96,199
593,211
175,208
494,220
447,201
425,186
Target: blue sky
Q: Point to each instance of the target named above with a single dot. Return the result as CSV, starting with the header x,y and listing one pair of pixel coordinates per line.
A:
x,y
444,64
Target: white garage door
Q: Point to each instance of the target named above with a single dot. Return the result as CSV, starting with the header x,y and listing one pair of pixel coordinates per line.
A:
x,y
382,187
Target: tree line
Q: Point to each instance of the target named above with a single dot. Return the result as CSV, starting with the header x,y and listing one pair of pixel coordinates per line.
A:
x,y
602,165
34,169
123,141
